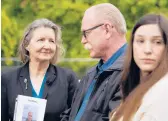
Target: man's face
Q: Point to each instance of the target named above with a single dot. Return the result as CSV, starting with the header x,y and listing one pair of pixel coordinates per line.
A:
x,y
30,115
93,35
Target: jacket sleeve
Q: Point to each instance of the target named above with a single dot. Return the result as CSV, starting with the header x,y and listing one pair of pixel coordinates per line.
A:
x,y
115,101
4,100
73,84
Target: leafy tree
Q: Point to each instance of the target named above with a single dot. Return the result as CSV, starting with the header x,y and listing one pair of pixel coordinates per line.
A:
x,y
17,14
9,37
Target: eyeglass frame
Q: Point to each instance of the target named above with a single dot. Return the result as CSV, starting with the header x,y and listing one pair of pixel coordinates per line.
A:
x,y
90,29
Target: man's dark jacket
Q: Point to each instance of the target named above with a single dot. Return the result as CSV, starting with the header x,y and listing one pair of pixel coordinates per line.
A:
x,y
105,97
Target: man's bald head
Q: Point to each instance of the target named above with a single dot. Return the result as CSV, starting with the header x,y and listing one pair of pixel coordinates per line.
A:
x,y
106,12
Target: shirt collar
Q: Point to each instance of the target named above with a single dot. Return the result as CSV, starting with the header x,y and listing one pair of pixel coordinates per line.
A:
x,y
104,66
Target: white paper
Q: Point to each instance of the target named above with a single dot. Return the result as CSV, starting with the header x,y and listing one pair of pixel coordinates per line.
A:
x,y
29,108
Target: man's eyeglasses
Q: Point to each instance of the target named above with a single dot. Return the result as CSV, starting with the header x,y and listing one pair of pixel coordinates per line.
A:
x,y
86,32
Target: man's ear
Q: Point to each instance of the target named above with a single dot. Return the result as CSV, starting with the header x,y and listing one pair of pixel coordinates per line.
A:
x,y
108,28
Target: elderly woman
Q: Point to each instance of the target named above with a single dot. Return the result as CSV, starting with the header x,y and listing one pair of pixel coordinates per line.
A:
x,y
40,49
145,75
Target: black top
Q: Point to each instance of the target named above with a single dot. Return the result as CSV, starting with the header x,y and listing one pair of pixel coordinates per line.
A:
x,y
58,90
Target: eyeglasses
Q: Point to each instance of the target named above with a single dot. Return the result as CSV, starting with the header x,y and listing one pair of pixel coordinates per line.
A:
x,y
86,32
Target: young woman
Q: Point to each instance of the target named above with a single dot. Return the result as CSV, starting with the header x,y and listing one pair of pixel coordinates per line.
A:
x,y
145,75
39,50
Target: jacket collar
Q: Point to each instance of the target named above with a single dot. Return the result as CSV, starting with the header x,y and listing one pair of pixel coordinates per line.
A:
x,y
51,77
117,65
24,79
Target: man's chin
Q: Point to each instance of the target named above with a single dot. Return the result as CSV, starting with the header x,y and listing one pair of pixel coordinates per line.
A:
x,y
92,55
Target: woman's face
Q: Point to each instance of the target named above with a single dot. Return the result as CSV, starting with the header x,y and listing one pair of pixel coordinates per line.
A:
x,y
42,45
148,47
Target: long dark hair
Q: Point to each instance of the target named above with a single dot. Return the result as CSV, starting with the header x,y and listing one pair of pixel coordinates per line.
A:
x,y
131,72
132,91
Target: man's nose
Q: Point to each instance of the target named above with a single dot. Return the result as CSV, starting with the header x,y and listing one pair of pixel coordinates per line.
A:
x,y
83,40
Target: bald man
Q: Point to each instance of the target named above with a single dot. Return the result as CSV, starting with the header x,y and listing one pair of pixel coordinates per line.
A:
x,y
29,116
104,29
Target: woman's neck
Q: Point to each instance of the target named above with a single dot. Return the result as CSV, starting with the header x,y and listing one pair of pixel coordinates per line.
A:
x,y
38,69
144,75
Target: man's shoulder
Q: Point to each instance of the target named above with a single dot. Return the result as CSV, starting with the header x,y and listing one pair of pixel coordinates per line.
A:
x,y
118,64
91,69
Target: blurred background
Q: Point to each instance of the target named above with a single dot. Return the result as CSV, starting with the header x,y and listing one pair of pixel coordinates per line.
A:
x,y
17,14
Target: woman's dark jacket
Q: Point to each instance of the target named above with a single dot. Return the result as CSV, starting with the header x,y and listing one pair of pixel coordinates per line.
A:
x,y
58,90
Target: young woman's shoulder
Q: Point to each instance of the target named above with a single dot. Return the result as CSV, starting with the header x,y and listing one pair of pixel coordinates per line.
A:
x,y
158,89
155,103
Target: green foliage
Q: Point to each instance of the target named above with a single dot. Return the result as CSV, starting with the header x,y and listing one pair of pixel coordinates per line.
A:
x,y
9,37
79,67
17,14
